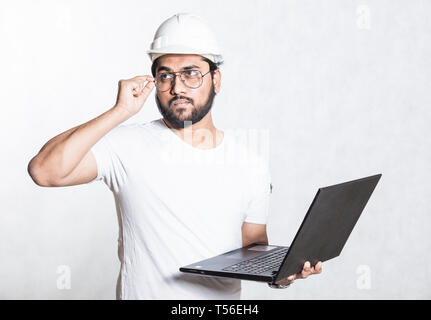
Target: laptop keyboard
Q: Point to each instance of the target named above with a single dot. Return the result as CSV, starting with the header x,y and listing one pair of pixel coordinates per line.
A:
x,y
260,264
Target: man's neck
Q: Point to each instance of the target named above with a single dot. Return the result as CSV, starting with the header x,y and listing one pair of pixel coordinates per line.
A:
x,y
201,135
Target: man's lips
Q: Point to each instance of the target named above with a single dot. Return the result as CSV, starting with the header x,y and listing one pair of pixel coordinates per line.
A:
x,y
180,102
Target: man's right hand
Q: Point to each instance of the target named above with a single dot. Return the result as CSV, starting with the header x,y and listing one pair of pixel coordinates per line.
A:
x,y
133,93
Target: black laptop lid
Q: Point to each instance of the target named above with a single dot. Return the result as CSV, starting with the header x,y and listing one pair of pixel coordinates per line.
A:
x,y
328,224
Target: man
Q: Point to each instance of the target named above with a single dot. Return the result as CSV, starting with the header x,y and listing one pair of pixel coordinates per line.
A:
x,y
173,210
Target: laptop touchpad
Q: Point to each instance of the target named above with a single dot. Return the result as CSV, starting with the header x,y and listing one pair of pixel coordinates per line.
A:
x,y
251,252
261,248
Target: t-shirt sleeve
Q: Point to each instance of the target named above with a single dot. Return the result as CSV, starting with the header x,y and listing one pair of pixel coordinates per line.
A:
x,y
261,189
110,167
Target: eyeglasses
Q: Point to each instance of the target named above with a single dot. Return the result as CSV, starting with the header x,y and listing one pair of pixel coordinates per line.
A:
x,y
191,78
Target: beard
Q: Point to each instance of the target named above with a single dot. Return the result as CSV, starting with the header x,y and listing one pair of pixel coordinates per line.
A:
x,y
198,112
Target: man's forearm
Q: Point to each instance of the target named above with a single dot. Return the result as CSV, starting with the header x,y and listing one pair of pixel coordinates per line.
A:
x,y
60,155
253,233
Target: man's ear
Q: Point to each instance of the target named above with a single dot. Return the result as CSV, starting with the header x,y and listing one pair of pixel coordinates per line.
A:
x,y
217,80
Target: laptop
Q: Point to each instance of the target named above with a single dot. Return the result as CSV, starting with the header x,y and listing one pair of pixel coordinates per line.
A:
x,y
322,235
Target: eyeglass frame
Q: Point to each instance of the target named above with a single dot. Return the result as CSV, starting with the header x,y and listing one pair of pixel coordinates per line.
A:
x,y
182,80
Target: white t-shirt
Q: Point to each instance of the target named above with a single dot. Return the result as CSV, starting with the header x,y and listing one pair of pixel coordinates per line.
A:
x,y
177,205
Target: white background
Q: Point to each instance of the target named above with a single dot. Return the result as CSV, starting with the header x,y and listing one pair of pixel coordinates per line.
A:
x,y
342,86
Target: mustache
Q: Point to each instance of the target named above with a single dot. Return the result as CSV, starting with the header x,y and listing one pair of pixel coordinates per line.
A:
x,y
180,98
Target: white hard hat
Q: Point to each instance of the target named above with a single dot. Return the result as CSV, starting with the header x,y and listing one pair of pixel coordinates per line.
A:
x,y
185,33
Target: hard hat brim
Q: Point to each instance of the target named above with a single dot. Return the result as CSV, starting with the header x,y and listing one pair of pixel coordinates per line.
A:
x,y
154,53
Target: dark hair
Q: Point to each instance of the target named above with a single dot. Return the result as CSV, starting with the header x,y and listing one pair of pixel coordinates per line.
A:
x,y
213,66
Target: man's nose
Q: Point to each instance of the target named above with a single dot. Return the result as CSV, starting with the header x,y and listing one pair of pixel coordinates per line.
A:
x,y
178,86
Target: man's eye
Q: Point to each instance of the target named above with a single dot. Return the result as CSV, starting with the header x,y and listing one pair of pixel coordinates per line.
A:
x,y
165,76
192,73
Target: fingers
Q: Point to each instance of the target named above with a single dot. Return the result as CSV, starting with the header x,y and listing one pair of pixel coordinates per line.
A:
x,y
291,278
309,270
144,78
147,88
287,281
284,282
142,85
318,267
306,271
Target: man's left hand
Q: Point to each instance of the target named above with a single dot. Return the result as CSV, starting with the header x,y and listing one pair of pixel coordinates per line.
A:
x,y
306,271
